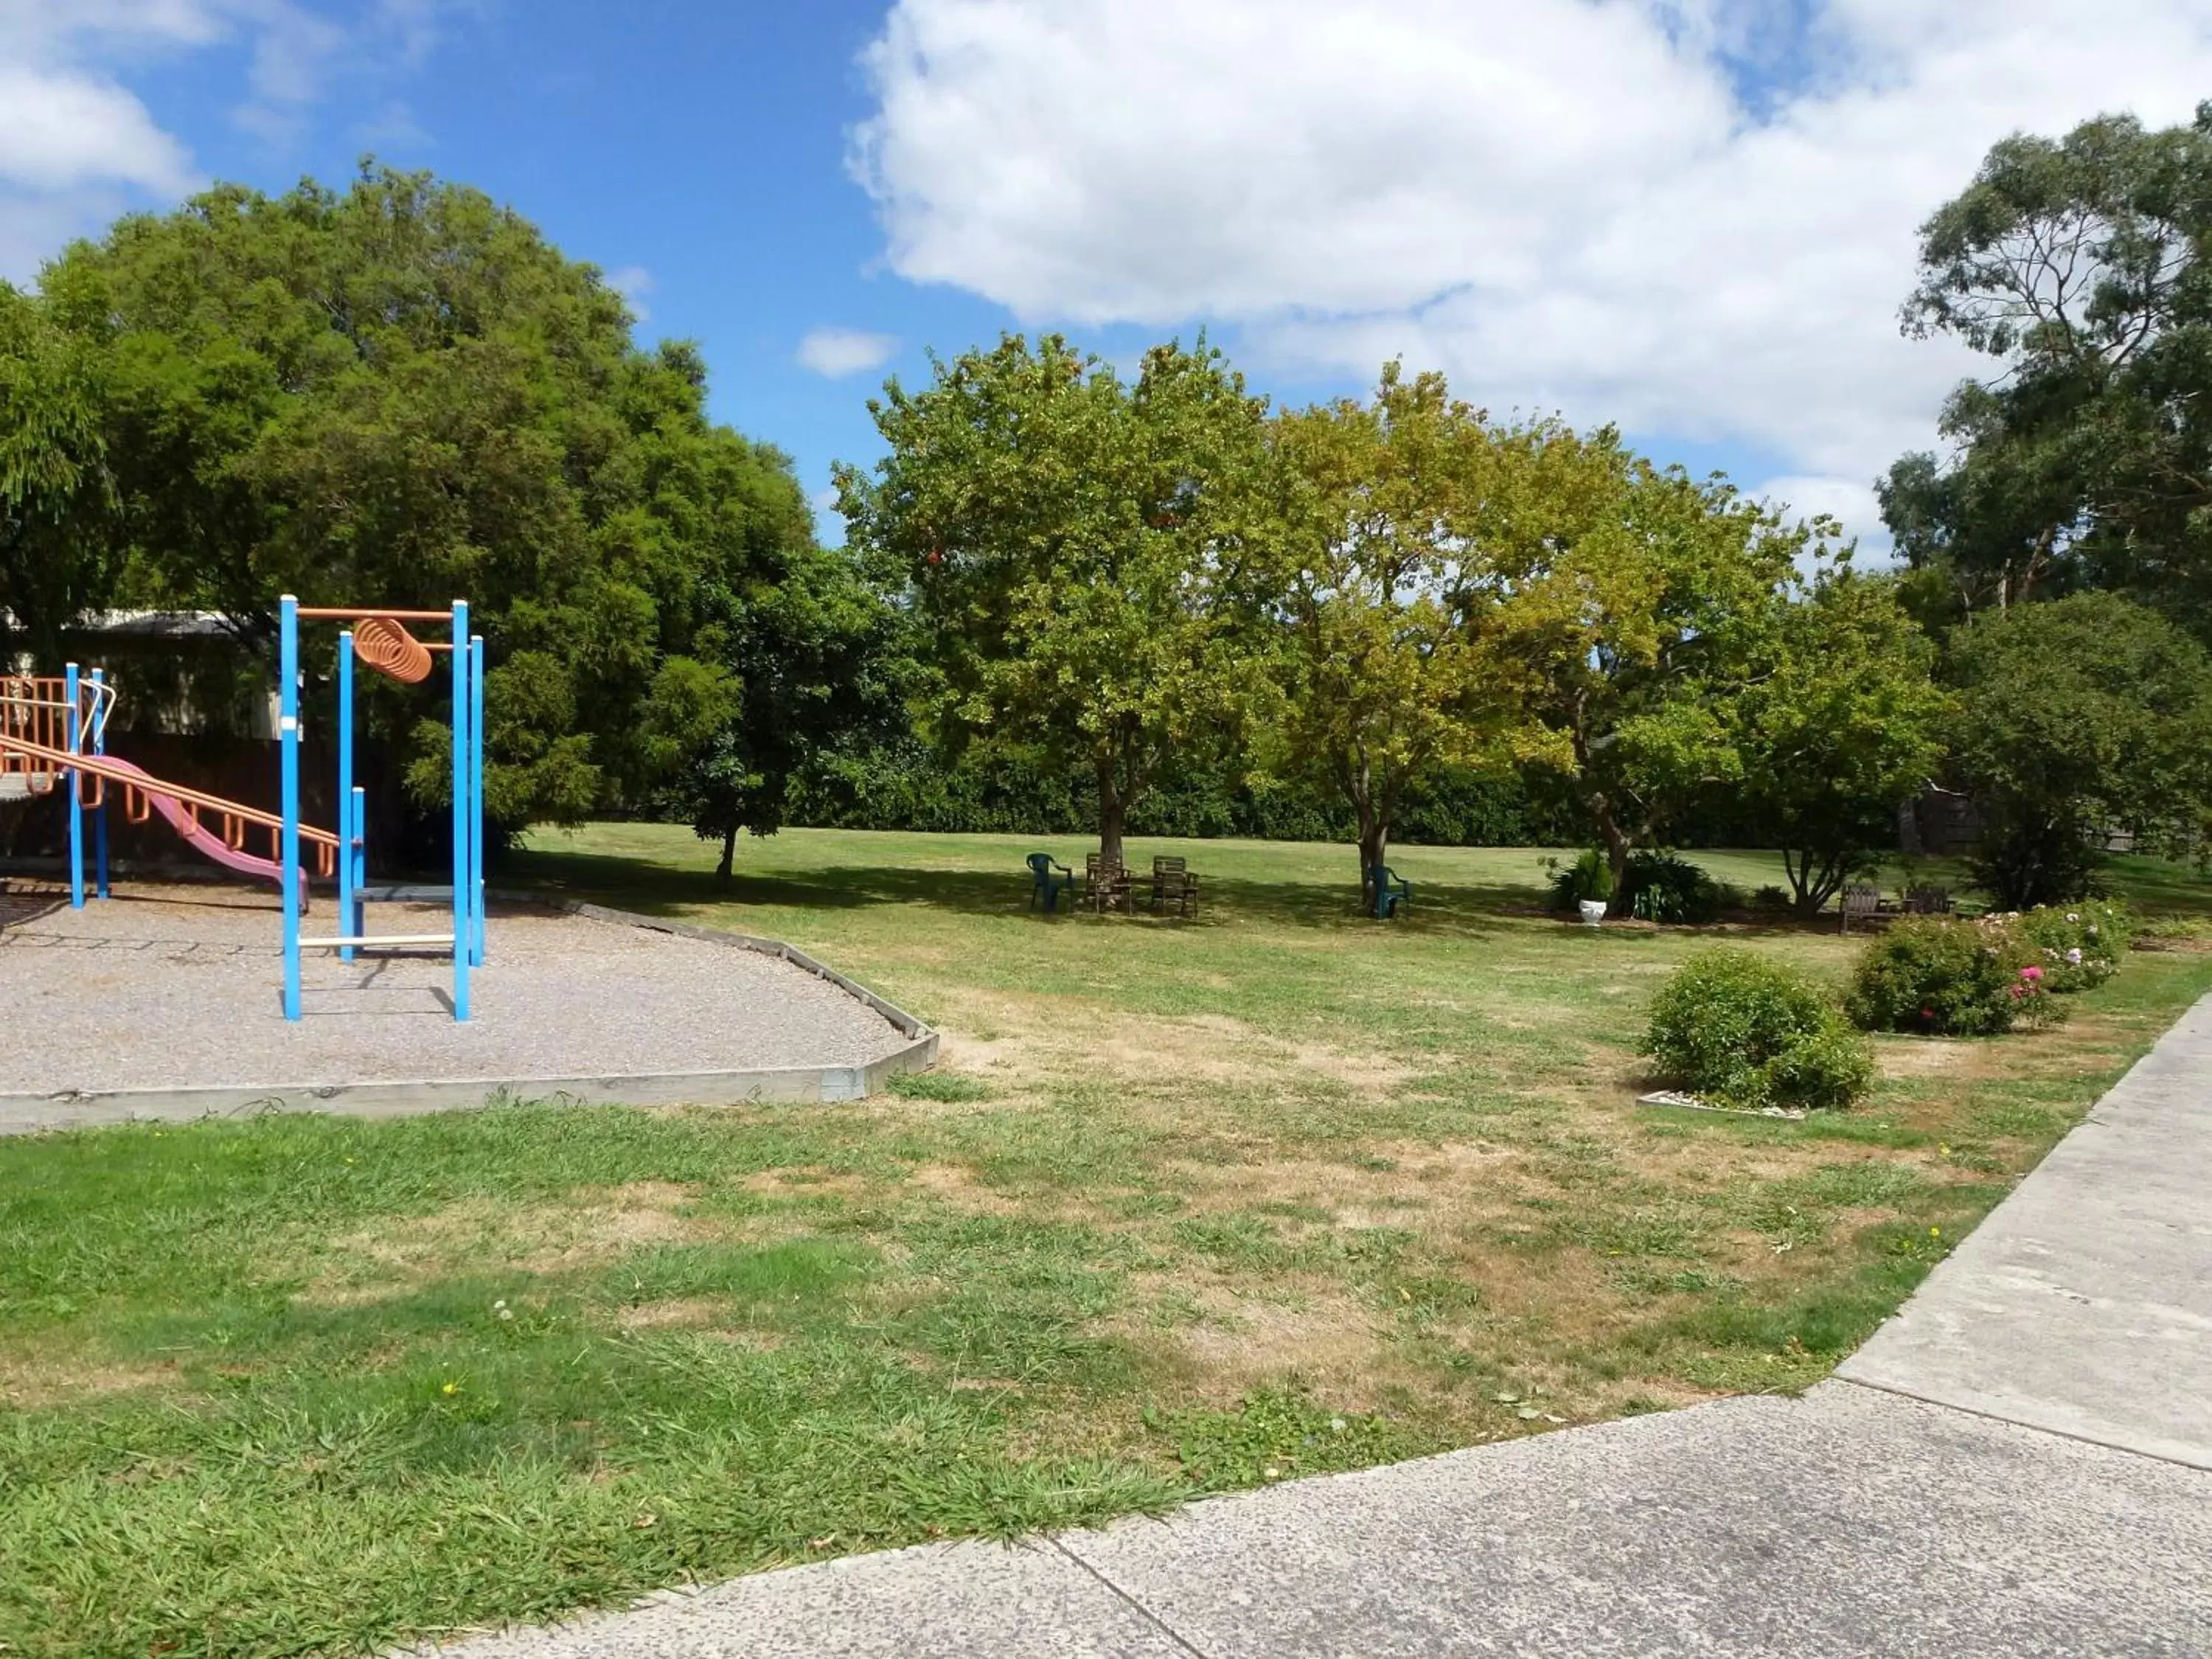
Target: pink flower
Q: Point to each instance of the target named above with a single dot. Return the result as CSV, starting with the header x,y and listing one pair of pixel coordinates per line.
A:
x,y
2031,973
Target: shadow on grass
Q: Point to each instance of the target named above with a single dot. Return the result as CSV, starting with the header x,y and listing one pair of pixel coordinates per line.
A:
x,y
662,890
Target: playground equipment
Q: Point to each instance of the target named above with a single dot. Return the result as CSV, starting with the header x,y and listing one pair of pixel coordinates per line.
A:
x,y
53,732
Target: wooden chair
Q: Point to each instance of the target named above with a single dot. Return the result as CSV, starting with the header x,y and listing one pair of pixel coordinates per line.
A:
x,y
1928,901
1173,884
1860,899
1048,880
1105,883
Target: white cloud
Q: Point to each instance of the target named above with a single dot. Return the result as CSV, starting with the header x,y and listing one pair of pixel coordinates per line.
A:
x,y
59,129
76,146
1678,214
633,283
1850,502
836,352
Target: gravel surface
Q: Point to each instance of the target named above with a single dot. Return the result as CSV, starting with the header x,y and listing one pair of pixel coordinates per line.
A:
x,y
164,987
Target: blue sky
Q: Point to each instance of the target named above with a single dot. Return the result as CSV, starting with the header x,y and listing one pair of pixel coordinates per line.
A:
x,y
1692,217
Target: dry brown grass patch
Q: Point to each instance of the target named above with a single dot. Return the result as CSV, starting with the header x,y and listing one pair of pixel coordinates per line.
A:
x,y
399,1253
29,1382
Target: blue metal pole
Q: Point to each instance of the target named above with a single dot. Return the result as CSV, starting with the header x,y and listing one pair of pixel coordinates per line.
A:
x,y
100,813
462,920
76,790
344,799
287,853
357,855
476,792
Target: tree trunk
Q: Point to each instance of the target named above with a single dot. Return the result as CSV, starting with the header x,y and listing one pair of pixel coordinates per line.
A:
x,y
729,856
1374,853
1618,847
1112,811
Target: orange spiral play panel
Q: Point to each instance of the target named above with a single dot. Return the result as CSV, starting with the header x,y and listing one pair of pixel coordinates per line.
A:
x,y
385,645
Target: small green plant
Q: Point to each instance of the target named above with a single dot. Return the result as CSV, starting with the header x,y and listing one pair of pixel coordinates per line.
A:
x,y
2078,946
1945,976
1742,1029
1589,877
1666,887
937,1085
1278,1434
1771,897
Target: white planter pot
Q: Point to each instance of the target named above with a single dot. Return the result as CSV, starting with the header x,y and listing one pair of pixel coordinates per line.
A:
x,y
1593,912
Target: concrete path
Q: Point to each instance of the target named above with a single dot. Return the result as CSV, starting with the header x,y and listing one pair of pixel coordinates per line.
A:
x,y
2020,1463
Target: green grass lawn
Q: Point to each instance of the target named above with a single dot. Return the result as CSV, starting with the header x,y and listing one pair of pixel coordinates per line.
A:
x,y
1192,1206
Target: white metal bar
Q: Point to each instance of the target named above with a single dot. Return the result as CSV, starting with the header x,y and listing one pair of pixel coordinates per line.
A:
x,y
337,940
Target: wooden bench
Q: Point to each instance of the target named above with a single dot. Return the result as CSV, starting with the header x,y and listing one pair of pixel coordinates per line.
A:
x,y
1860,899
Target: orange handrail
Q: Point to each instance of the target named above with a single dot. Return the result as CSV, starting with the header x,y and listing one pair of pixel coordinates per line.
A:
x,y
99,766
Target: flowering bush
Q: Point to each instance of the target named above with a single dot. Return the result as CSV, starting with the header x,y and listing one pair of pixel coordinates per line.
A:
x,y
1742,1029
2077,945
1942,976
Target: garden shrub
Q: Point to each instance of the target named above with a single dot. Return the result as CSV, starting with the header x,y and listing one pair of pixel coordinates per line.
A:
x,y
1662,887
1946,976
1742,1029
1771,897
1588,877
2078,946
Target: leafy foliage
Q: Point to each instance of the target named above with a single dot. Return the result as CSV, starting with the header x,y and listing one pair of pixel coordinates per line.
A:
x,y
1073,545
1667,887
1840,724
1637,597
1382,592
1588,877
58,548
2078,262
1745,1030
826,663
400,392
1948,977
2079,717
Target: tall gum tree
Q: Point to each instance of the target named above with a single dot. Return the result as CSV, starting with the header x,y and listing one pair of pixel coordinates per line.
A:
x,y
1074,544
2084,460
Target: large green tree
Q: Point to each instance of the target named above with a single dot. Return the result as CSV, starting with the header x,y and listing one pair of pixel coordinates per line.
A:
x,y
1837,723
398,394
2085,459
57,543
827,664
2080,718
1376,577
1639,600
1075,545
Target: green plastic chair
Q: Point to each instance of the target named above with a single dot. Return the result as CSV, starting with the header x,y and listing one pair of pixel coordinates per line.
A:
x,y
1390,891
1044,883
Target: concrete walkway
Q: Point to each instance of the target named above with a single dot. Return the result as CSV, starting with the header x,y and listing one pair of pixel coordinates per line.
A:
x,y
2020,1463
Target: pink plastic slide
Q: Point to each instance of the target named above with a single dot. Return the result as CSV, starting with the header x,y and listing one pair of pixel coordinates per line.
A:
x,y
197,836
